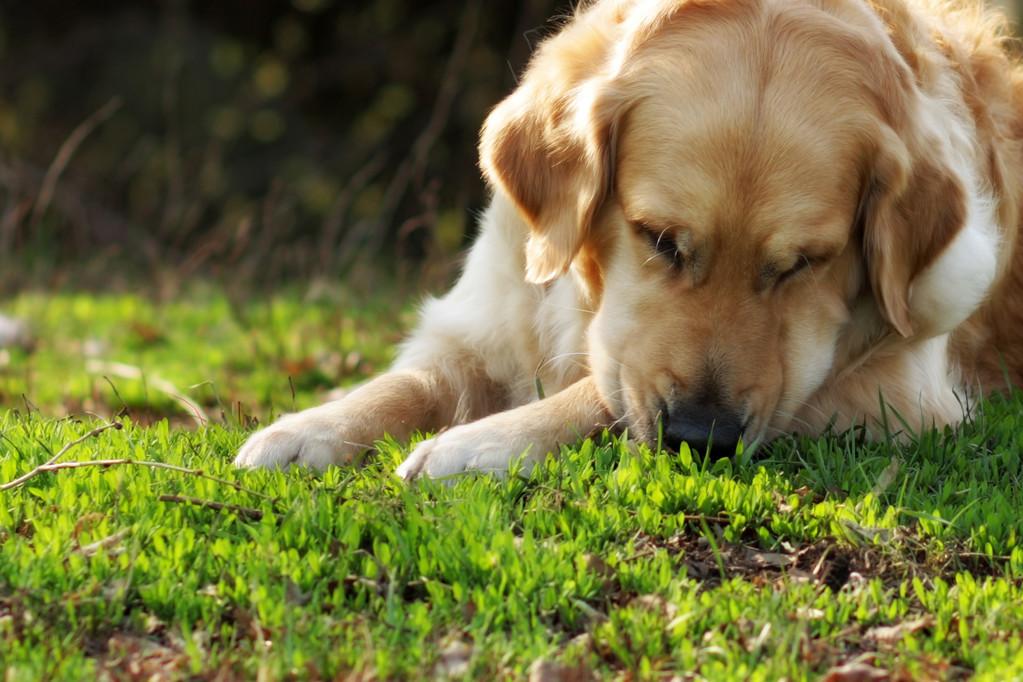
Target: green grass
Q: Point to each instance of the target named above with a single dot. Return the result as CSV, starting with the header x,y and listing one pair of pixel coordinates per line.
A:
x,y
612,559
253,358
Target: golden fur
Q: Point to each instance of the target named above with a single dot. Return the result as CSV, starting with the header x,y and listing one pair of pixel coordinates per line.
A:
x,y
731,217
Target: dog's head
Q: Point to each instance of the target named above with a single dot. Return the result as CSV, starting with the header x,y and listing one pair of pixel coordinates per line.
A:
x,y
734,180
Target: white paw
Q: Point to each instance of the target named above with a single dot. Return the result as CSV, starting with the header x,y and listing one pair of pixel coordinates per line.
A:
x,y
306,439
472,447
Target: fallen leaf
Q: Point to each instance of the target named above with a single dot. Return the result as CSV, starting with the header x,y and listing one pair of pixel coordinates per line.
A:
x,y
454,659
856,671
154,625
138,658
769,559
86,522
146,334
892,634
297,367
597,565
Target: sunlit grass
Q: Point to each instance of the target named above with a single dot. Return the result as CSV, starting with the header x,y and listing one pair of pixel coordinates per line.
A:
x,y
611,557
107,353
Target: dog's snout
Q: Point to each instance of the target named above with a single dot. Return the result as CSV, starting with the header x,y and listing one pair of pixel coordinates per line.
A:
x,y
704,427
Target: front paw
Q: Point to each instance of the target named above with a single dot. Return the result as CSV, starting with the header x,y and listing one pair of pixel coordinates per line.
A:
x,y
296,439
471,447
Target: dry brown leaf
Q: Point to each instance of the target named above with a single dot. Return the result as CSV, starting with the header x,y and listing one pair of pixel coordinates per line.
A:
x,y
137,658
769,559
596,564
147,333
856,671
86,522
892,634
297,367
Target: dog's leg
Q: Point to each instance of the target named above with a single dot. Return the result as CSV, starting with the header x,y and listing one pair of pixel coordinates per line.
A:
x,y
465,360
397,403
493,443
902,390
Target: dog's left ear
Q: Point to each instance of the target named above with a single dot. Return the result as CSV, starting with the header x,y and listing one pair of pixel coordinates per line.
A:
x,y
930,232
548,145
915,206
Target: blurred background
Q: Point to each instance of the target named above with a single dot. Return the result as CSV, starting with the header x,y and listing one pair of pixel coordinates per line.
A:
x,y
249,140
218,211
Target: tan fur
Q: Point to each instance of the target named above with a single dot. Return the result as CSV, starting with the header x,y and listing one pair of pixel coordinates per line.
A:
x,y
877,142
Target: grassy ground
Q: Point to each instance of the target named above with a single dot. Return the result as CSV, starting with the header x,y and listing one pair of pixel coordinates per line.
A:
x,y
832,557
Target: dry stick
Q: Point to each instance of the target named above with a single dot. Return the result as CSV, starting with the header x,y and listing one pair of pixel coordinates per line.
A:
x,y
63,451
339,209
199,473
65,153
412,168
24,178
9,223
253,514
53,464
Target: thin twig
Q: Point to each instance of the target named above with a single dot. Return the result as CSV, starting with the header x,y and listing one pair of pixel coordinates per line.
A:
x,y
359,242
66,151
63,451
199,473
707,517
981,555
253,514
104,224
330,235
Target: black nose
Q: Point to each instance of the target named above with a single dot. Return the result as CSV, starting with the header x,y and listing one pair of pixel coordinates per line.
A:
x,y
703,427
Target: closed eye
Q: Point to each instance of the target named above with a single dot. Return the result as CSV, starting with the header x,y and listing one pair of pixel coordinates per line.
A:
x,y
801,264
664,245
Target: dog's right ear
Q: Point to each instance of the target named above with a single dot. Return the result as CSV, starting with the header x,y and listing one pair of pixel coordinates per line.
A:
x,y
548,144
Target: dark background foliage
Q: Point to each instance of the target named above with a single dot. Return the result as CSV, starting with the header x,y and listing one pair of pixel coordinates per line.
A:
x,y
248,139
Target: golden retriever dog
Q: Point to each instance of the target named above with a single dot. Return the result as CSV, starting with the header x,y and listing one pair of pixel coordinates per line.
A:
x,y
716,220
